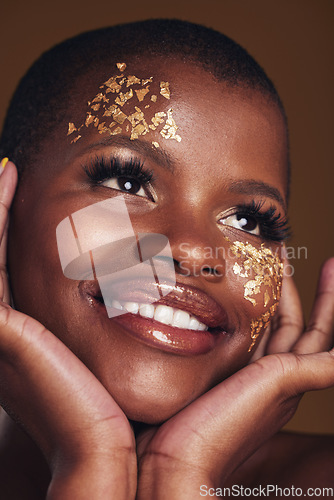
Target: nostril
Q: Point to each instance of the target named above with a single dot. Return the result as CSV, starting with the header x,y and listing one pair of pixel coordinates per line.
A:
x,y
210,271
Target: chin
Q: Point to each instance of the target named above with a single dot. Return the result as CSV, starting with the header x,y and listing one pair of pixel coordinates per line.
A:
x,y
153,408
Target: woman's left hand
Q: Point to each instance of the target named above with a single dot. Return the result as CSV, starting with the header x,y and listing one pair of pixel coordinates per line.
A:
x,y
209,439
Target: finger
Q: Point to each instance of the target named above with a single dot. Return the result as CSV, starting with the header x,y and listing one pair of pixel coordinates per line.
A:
x,y
267,391
319,333
52,394
288,324
4,285
8,181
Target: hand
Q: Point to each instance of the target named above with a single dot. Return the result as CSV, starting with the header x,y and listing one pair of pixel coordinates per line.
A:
x,y
210,438
82,432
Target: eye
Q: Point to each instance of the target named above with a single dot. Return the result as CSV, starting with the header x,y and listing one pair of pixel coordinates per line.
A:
x,y
128,176
243,222
126,184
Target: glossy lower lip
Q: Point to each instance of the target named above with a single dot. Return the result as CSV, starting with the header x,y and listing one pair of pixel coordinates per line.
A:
x,y
164,337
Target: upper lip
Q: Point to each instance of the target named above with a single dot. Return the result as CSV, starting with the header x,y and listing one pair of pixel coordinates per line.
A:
x,y
185,297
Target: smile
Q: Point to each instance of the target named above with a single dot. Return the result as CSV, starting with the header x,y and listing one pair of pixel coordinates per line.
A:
x,y
163,314
185,321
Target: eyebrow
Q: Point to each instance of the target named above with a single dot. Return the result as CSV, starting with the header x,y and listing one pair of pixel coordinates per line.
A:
x,y
142,147
251,187
257,187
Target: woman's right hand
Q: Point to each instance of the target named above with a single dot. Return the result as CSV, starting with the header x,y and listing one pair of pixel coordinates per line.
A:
x,y
84,435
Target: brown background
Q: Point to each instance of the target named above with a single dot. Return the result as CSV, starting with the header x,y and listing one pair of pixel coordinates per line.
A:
x,y
292,39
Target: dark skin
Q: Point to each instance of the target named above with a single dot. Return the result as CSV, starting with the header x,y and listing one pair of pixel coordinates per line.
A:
x,y
101,382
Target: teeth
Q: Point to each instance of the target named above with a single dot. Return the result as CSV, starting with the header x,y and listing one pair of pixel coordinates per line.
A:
x,y
116,304
194,324
164,314
131,307
146,310
181,319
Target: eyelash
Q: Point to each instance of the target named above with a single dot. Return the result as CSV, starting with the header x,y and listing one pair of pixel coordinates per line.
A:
x,y
273,226
100,169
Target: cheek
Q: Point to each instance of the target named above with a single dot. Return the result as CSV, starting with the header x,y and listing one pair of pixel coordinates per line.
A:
x,y
259,271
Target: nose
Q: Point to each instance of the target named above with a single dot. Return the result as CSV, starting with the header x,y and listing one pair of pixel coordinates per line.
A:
x,y
198,253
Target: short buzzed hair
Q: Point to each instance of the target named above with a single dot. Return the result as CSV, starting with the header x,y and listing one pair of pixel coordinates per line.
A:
x,y
43,94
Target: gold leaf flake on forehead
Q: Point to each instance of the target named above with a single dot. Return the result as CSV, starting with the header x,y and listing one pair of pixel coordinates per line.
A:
x,y
148,80
121,66
157,119
100,97
112,85
121,99
164,89
105,104
131,80
142,93
170,128
119,116
116,131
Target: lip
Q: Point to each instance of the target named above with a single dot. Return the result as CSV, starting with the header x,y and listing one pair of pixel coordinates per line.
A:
x,y
159,335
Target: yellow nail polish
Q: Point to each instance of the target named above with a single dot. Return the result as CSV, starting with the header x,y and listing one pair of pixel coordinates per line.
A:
x,y
4,162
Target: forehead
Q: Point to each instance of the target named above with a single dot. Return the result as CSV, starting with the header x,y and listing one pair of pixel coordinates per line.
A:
x,y
180,108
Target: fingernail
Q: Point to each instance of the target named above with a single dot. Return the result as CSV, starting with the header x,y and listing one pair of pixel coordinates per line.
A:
x,y
3,163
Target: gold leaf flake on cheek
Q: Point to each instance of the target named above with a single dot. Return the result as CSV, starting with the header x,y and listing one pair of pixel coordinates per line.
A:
x,y
266,270
71,128
76,139
156,144
264,265
89,119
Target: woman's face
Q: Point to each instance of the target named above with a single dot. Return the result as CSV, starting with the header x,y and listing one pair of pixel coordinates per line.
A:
x,y
226,161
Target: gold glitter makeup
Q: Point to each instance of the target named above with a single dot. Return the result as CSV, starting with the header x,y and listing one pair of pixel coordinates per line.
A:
x,y
266,270
121,66
169,130
142,93
164,89
264,264
71,128
105,105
